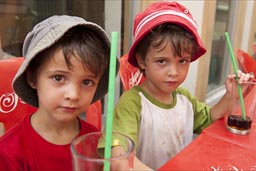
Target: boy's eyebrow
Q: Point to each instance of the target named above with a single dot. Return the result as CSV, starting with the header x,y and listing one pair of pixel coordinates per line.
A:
x,y
88,74
56,70
185,57
157,57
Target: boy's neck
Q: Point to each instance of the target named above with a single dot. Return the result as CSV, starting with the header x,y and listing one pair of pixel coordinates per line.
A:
x,y
163,97
56,133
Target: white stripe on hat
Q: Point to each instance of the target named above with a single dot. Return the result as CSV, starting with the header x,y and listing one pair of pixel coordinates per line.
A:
x,y
159,13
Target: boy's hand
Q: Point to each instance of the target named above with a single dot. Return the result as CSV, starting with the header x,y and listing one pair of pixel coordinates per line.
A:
x,y
221,108
122,163
242,77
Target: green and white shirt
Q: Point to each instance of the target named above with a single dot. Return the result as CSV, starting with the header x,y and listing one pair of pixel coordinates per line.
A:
x,y
159,130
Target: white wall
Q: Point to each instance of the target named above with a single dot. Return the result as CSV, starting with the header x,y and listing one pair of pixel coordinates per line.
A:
x,y
113,23
247,27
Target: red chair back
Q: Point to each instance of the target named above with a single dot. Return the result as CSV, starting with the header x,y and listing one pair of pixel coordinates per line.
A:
x,y
246,62
12,108
94,114
130,75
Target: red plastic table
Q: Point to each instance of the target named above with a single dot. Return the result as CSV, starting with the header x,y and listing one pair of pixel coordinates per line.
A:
x,y
217,149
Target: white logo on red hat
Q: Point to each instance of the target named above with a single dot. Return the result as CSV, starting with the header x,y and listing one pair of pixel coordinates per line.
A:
x,y
160,13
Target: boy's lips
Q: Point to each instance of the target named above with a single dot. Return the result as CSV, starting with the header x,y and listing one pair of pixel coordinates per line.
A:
x,y
68,109
171,83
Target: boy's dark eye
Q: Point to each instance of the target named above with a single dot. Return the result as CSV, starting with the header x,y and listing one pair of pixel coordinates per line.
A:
x,y
57,77
88,82
184,61
161,61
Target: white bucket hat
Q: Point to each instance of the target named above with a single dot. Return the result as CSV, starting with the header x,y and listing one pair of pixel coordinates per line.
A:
x,y
44,35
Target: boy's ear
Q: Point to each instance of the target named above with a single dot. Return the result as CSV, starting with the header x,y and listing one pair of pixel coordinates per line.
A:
x,y
140,61
31,79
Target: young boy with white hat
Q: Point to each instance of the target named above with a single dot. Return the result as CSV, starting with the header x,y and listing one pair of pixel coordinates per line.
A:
x,y
65,70
158,115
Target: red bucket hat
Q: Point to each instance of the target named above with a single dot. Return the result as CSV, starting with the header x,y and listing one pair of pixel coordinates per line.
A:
x,y
159,13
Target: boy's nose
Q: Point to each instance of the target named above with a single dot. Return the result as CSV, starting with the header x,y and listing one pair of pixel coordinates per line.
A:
x,y
172,70
72,92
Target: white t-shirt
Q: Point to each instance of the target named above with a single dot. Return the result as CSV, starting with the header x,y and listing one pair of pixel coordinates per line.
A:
x,y
159,130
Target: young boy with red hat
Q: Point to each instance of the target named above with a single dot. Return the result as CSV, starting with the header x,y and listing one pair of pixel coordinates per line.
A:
x,y
159,115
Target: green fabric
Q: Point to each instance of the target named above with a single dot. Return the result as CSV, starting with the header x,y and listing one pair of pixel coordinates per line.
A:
x,y
126,118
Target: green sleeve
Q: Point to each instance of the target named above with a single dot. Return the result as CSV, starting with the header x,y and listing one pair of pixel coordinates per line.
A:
x,y
202,118
126,119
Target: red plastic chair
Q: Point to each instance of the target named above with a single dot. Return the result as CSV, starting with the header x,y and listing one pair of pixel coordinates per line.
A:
x,y
130,75
12,108
246,62
94,114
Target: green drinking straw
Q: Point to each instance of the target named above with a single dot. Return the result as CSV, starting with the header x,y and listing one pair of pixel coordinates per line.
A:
x,y
111,97
235,70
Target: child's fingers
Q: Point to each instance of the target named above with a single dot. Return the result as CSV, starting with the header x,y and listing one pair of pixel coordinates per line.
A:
x,y
251,75
244,77
247,76
231,76
241,76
